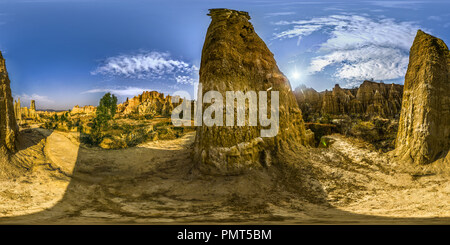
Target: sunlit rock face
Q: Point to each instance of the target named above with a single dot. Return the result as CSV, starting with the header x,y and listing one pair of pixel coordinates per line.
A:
x,y
424,127
17,110
147,103
368,100
235,58
33,105
337,101
8,125
87,109
23,113
379,99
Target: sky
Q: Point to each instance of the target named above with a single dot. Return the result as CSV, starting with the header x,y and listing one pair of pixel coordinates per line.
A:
x,y
63,53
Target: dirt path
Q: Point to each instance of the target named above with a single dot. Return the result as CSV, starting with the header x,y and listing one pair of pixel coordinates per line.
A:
x,y
39,184
385,189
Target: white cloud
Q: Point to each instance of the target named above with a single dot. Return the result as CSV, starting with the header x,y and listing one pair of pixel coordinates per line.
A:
x,y
435,18
36,97
359,47
279,14
333,9
298,31
120,91
185,80
145,65
398,4
365,63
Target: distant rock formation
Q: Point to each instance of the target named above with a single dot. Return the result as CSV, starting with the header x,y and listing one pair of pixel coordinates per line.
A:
x,y
424,127
309,100
17,110
338,101
87,109
235,58
370,99
378,99
8,125
23,113
147,103
33,105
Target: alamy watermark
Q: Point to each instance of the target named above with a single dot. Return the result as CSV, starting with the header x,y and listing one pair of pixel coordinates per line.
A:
x,y
213,115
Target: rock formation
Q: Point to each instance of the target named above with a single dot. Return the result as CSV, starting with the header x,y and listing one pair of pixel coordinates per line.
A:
x,y
309,100
8,125
370,99
87,109
23,113
379,99
424,128
147,103
337,101
17,110
33,105
235,58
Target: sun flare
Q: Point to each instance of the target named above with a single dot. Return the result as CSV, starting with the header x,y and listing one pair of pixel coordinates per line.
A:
x,y
296,75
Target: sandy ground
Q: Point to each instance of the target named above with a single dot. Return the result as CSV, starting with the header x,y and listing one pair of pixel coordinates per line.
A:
x,y
57,181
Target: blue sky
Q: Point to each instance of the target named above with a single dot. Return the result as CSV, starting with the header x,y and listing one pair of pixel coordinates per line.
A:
x,y
67,52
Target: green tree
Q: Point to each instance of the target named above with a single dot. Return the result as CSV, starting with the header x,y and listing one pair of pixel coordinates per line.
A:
x,y
105,111
107,106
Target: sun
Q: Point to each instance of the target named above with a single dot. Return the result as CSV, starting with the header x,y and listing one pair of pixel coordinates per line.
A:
x,y
296,75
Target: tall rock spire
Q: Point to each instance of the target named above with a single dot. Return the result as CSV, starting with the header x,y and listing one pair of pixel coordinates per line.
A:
x,y
18,110
424,127
8,125
32,105
235,58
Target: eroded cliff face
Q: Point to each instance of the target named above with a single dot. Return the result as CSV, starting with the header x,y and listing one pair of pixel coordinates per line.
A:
x,y
370,99
337,101
147,103
424,127
33,105
87,109
18,110
235,58
25,113
150,103
379,99
8,125
309,100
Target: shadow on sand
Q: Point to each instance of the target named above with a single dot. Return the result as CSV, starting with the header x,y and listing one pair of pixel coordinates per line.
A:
x,y
157,184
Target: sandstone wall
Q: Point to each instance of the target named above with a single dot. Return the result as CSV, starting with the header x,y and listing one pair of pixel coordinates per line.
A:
x,y
147,103
24,113
87,109
8,125
235,58
424,127
370,99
